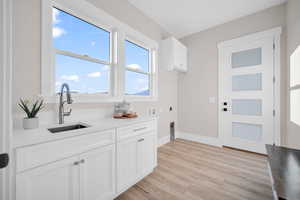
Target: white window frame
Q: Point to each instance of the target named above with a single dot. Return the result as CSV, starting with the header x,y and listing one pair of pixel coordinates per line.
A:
x,y
119,32
151,73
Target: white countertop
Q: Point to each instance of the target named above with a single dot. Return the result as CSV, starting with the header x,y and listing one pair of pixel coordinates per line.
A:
x,y
23,137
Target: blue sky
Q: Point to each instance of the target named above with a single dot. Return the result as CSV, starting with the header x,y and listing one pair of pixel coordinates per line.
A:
x,y
77,36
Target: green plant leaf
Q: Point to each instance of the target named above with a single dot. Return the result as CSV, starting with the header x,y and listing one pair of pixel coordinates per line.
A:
x,y
37,106
32,112
25,108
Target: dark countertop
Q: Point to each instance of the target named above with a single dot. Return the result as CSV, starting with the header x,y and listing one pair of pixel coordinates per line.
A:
x,y
285,168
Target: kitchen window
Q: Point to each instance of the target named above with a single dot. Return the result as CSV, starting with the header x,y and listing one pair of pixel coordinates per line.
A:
x,y
137,75
101,58
82,54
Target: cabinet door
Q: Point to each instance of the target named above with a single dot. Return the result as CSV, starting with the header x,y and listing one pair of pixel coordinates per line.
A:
x,y
126,163
146,154
58,181
180,58
97,174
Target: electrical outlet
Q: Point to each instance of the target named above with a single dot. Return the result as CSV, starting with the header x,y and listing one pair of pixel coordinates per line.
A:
x,y
152,112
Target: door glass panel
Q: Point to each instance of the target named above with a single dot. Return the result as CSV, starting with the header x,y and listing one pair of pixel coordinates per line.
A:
x,y
245,131
247,82
247,107
246,58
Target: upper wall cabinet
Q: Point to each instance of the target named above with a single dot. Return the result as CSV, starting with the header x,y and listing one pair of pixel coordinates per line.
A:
x,y
174,55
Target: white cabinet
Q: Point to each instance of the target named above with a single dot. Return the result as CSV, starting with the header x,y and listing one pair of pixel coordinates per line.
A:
x,y
94,166
58,180
145,154
136,159
97,174
127,163
173,55
89,176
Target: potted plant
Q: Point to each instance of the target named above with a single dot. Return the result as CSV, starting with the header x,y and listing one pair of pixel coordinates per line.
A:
x,y
31,110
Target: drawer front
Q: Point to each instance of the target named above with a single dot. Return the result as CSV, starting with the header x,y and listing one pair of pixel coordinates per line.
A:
x,y
136,129
36,155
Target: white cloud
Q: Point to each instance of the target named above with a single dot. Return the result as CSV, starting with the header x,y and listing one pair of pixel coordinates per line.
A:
x,y
142,84
57,32
141,81
94,74
134,67
55,14
105,68
70,78
93,43
57,83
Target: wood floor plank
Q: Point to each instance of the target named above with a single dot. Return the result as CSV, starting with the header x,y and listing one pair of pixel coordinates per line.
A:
x,y
193,171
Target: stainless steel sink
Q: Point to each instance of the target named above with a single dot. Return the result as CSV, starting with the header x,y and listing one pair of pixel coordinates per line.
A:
x,y
67,128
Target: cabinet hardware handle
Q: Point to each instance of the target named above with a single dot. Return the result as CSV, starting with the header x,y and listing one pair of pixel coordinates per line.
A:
x,y
82,161
139,129
140,140
76,163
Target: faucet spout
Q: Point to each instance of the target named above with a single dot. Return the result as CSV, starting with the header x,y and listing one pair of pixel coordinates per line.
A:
x,y
62,113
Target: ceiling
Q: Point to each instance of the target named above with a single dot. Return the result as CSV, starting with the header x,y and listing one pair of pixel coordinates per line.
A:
x,y
185,17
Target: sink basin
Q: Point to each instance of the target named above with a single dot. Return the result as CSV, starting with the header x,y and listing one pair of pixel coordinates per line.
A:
x,y
67,128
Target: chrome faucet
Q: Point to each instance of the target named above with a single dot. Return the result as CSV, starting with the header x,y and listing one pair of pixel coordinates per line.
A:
x,y
61,112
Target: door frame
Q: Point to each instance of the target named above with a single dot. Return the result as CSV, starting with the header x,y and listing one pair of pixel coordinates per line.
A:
x,y
6,51
276,34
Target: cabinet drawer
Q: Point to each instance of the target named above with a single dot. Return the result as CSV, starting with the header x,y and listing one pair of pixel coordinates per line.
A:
x,y
36,155
135,130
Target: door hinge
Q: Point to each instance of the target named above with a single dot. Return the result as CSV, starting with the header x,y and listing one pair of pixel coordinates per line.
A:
x,y
274,46
274,79
274,113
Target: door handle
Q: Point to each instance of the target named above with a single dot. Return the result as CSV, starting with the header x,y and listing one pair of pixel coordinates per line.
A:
x,y
225,109
141,140
139,129
76,163
4,160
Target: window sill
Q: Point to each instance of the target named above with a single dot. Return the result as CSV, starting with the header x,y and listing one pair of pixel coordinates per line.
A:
x,y
140,99
99,99
83,99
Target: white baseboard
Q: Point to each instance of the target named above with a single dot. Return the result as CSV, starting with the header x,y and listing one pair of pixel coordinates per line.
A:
x,y
201,139
164,140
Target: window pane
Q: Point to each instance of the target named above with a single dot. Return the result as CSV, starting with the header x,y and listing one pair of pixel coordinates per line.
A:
x,y
247,82
137,84
73,34
245,131
137,57
247,58
251,107
82,76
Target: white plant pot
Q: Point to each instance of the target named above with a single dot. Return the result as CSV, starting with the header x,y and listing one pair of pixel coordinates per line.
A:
x,y
30,123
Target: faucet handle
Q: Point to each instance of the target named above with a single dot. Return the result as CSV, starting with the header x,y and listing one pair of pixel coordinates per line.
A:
x,y
68,113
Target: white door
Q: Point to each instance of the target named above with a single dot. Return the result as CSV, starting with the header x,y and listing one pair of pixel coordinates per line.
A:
x,y
5,94
145,154
126,163
246,101
59,181
97,174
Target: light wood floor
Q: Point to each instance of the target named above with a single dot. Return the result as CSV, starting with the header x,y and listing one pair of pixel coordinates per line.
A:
x,y
192,171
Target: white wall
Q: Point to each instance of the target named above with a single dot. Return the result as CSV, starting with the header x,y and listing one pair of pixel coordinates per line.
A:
x,y
196,114
293,42
27,68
